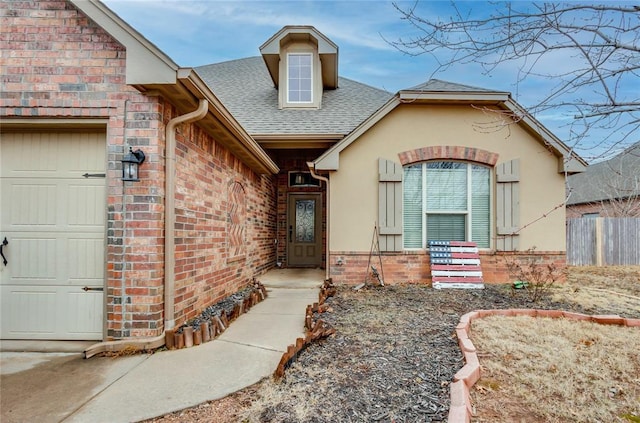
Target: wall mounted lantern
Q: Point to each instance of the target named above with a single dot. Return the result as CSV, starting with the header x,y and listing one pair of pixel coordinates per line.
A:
x,y
302,179
130,164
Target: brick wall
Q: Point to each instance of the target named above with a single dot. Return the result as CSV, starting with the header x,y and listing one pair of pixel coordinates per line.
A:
x,y
56,63
208,266
622,208
414,267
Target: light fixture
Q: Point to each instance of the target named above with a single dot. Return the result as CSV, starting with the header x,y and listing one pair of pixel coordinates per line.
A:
x,y
299,179
130,163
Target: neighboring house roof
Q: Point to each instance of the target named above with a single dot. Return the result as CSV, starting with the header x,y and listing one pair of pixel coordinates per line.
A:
x,y
246,88
616,178
436,91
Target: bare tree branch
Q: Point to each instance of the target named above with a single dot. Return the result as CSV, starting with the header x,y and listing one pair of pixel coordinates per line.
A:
x,y
589,53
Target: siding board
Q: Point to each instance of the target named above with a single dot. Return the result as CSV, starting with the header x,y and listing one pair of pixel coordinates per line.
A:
x,y
390,205
620,241
507,205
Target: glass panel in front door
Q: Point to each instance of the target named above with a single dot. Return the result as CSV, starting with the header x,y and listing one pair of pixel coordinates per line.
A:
x,y
305,220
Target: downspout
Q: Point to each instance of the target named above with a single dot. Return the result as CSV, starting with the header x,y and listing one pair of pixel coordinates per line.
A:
x,y
169,243
170,209
312,169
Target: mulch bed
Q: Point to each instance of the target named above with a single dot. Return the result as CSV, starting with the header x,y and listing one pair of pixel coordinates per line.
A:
x,y
391,359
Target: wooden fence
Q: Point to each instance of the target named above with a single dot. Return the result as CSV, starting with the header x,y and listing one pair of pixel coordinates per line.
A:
x,y
603,241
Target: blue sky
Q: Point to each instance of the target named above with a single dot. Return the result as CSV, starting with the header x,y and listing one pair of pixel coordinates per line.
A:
x,y
200,32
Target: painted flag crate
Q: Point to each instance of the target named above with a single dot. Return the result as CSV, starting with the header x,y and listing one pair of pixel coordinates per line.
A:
x,y
455,264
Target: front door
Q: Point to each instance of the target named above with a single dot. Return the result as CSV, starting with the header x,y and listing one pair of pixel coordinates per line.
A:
x,y
304,241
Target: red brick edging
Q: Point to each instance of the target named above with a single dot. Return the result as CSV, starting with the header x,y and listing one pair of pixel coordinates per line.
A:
x,y
460,409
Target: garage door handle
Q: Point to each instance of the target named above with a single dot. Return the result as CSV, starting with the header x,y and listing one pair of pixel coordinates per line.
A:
x,y
4,242
86,288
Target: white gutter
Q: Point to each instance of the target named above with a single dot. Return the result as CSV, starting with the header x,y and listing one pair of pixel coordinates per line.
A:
x,y
312,169
170,209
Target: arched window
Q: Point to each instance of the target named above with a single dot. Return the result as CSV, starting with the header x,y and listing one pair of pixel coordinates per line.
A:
x,y
446,200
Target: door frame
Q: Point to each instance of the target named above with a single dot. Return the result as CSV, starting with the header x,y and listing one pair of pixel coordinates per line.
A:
x,y
291,196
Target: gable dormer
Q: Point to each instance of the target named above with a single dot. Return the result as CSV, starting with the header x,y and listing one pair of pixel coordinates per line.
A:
x,y
302,63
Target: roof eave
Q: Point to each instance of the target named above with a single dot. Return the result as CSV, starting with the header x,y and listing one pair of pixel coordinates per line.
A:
x,y
237,140
330,160
568,161
452,97
297,141
150,69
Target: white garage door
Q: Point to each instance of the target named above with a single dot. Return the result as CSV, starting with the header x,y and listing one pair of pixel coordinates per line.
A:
x,y
53,218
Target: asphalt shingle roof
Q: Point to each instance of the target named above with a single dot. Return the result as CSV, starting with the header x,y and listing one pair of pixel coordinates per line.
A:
x,y
438,85
246,89
618,177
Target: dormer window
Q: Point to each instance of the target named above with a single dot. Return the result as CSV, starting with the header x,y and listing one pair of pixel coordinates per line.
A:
x,y
299,78
302,64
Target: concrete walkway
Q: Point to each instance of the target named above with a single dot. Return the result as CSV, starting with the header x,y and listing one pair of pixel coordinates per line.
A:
x,y
63,387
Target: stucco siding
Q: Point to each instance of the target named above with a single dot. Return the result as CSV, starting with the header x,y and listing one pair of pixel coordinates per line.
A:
x,y
409,127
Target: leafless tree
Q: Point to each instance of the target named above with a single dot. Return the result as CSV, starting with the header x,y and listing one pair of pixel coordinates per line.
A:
x,y
589,53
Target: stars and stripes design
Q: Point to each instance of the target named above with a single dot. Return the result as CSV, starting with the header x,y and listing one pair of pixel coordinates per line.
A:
x,y
455,264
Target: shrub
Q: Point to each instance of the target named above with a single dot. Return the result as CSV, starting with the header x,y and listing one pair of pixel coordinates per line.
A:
x,y
533,275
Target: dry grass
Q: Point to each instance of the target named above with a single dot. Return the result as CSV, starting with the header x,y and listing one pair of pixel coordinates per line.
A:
x,y
612,287
556,370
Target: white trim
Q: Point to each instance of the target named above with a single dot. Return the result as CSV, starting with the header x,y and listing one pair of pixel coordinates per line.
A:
x,y
288,92
568,160
458,285
467,213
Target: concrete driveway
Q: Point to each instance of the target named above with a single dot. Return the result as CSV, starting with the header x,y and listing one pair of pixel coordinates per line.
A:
x,y
49,387
55,384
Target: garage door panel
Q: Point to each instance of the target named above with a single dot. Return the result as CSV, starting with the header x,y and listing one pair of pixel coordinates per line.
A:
x,y
28,311
53,155
37,312
29,154
84,210
31,203
90,154
56,259
66,205
85,261
32,260
83,312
